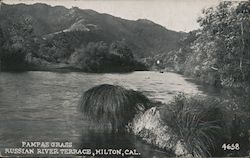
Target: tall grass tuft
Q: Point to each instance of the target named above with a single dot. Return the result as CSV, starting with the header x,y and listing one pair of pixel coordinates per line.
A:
x,y
197,121
112,104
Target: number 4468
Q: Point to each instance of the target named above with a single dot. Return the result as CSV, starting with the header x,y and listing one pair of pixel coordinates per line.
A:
x,y
235,146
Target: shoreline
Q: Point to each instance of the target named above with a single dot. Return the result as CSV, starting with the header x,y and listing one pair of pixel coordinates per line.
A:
x,y
64,69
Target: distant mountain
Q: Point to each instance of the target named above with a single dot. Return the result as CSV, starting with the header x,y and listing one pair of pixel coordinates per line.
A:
x,y
144,37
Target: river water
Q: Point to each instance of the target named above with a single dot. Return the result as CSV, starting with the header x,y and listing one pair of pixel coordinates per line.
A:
x,y
42,106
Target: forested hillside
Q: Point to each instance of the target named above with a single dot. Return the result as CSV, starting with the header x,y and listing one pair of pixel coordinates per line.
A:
x,y
218,53
41,35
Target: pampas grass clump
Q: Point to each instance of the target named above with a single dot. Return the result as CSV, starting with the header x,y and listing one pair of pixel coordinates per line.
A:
x,y
197,121
113,104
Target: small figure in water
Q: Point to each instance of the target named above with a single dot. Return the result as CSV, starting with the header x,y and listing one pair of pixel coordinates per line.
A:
x,y
158,62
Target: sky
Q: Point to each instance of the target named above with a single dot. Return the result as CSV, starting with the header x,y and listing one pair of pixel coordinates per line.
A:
x,y
178,15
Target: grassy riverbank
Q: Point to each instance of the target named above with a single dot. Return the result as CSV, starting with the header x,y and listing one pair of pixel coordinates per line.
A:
x,y
199,126
196,125
206,123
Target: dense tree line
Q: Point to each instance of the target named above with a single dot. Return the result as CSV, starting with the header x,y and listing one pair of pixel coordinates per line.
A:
x,y
218,53
21,49
99,57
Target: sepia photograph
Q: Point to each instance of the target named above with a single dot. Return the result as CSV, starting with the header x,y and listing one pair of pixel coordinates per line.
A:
x,y
124,78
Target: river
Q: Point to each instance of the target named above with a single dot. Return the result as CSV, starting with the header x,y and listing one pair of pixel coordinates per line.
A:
x,y
42,106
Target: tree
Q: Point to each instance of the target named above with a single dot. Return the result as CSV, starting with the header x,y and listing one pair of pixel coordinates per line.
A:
x,y
228,24
18,42
121,49
99,57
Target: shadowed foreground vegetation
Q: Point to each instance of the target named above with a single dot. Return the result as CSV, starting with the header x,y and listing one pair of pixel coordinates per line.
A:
x,y
196,125
204,124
